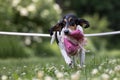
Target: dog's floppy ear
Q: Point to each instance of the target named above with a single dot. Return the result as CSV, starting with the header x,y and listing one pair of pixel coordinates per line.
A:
x,y
82,22
51,31
57,27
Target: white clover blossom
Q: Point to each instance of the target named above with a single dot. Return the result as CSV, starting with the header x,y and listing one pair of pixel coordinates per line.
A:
x,y
23,74
51,68
112,61
117,68
106,70
57,8
23,12
15,2
84,66
27,40
48,78
66,74
111,71
59,75
4,67
94,71
102,63
56,71
105,76
75,76
25,66
19,78
100,67
31,8
40,74
4,77
45,13
115,78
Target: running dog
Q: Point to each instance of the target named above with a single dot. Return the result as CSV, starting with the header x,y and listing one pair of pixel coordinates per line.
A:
x,y
68,33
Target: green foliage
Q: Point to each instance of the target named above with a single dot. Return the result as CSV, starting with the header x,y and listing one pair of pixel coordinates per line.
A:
x,y
26,16
32,15
97,24
47,49
6,16
11,47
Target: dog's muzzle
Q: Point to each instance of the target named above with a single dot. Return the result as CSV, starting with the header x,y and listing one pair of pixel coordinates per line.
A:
x,y
66,31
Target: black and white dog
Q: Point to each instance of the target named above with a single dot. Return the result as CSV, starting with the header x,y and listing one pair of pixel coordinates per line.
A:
x,y
69,36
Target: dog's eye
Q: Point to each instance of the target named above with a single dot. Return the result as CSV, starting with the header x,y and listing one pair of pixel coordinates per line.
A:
x,y
72,22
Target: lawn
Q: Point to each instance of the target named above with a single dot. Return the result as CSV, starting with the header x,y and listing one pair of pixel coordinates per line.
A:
x,y
54,68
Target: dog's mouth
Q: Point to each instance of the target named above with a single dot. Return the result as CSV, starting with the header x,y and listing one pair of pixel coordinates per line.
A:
x,y
69,30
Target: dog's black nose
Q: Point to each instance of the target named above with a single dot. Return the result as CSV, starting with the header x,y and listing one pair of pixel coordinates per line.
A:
x,y
66,32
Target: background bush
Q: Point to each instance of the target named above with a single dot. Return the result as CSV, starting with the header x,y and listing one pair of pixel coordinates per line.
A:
x,y
26,16
12,47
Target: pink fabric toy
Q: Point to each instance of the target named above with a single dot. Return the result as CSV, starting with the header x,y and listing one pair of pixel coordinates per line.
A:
x,y
77,34
70,46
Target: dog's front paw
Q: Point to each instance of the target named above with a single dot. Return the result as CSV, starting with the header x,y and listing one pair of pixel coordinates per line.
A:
x,y
71,65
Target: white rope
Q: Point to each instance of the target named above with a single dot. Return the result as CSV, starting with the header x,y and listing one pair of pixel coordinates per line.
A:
x,y
47,35
24,34
103,34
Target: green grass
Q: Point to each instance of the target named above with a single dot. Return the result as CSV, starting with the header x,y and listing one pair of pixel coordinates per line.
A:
x,y
54,68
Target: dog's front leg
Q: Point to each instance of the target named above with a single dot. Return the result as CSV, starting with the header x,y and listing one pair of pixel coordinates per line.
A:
x,y
64,54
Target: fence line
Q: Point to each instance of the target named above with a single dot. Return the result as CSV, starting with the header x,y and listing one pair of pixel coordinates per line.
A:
x,y
47,35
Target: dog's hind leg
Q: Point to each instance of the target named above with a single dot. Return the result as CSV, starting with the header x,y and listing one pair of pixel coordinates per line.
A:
x,y
74,61
82,57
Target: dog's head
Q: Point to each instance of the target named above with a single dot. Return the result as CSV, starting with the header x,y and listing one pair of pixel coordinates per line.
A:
x,y
69,21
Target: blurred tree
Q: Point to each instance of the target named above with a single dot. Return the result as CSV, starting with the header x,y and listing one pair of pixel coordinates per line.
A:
x,y
27,16
32,15
35,16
